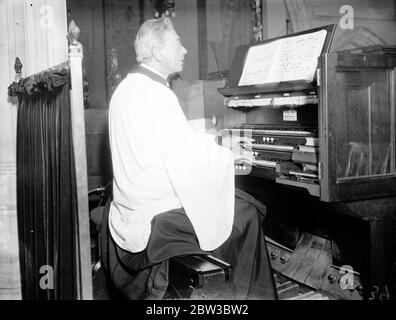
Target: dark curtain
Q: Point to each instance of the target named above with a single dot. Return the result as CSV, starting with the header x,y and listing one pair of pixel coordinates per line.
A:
x,y
46,188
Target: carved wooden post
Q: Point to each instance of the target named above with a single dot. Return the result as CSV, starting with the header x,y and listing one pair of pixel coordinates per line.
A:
x,y
257,20
80,160
18,76
114,74
18,69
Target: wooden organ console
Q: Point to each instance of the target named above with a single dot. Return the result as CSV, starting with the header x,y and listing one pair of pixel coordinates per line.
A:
x,y
322,156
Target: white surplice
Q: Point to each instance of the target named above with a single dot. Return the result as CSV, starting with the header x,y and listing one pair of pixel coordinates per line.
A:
x,y
160,163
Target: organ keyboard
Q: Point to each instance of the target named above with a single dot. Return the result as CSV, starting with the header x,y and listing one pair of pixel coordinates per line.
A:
x,y
281,118
290,152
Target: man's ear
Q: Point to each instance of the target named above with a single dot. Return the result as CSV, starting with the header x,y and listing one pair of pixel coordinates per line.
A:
x,y
156,53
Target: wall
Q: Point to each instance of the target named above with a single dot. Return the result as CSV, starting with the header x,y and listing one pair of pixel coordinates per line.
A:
x,y
108,24
186,25
35,31
229,25
113,24
374,21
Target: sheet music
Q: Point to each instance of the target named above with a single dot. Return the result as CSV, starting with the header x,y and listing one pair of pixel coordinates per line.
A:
x,y
286,59
258,64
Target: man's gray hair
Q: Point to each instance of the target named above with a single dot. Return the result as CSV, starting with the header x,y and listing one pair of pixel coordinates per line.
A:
x,y
151,33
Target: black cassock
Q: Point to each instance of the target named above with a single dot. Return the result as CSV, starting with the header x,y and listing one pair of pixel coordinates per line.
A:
x,y
144,275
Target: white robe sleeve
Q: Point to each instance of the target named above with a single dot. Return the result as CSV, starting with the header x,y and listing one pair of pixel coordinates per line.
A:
x,y
201,172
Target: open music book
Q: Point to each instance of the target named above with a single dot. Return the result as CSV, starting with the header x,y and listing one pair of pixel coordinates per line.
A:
x,y
285,59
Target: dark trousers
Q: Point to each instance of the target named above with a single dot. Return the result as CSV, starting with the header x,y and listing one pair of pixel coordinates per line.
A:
x,y
144,275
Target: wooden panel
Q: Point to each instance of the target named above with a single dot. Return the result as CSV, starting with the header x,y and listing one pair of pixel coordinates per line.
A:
x,y
186,26
357,127
229,25
202,40
202,104
148,9
366,123
191,99
361,188
89,16
99,167
214,104
372,209
382,236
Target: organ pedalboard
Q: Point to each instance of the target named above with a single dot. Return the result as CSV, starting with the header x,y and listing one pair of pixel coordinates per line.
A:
x,y
307,272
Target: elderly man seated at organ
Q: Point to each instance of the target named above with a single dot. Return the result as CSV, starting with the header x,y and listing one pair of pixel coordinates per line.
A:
x,y
173,188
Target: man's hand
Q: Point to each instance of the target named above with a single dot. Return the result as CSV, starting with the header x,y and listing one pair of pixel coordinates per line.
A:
x,y
239,146
240,153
